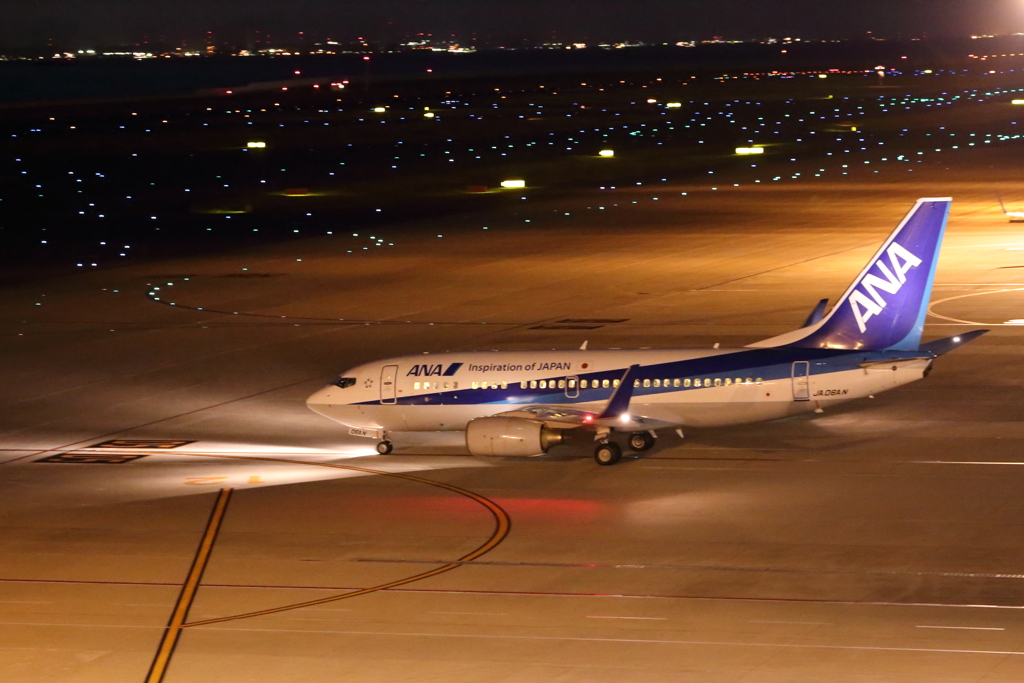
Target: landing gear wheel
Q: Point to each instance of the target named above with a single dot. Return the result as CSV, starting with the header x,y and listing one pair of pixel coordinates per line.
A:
x,y
641,441
607,453
384,447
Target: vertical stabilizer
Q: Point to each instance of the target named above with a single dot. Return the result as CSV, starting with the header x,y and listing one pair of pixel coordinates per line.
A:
x,y
885,307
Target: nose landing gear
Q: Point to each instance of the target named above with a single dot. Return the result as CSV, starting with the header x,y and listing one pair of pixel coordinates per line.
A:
x,y
607,453
385,447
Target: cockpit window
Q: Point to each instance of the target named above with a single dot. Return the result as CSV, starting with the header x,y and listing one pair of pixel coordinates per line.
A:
x,y
344,382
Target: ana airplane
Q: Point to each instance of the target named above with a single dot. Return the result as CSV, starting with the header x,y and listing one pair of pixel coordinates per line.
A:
x,y
1014,216
524,402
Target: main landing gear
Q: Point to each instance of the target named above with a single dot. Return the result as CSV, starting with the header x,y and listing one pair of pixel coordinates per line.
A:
x,y
385,447
608,453
641,441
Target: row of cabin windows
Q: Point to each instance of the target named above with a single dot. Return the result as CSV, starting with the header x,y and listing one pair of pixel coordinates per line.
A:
x,y
698,382
593,384
571,383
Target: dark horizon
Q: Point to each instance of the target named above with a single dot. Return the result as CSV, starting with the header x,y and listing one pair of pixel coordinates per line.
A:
x,y
83,23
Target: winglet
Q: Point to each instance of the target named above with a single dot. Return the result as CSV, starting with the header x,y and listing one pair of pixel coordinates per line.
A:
x,y
583,346
817,314
618,404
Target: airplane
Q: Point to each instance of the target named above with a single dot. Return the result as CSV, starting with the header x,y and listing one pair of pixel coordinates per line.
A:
x,y
1014,216
522,403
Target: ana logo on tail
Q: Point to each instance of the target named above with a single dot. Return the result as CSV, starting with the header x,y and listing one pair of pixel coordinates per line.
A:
x,y
865,305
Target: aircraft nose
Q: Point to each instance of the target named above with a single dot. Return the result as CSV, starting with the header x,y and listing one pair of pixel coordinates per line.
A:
x,y
319,398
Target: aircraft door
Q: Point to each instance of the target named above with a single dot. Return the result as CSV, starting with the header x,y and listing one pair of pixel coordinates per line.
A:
x,y
388,380
572,387
801,381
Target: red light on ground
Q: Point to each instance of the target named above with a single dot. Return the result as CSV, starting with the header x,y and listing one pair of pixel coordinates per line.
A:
x,y
366,59
588,418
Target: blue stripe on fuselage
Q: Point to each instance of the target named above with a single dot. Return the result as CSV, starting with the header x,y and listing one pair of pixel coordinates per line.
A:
x,y
767,364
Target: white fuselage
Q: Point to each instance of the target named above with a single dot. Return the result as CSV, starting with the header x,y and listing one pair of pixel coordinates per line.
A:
x,y
683,387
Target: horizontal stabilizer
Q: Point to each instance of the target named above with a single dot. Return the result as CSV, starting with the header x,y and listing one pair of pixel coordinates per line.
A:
x,y
943,346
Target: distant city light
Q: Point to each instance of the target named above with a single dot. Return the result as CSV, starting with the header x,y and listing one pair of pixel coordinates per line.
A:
x,y
510,184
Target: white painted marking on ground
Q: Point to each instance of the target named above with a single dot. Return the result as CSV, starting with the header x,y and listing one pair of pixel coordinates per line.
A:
x,y
966,628
651,641
802,623
481,614
29,602
645,618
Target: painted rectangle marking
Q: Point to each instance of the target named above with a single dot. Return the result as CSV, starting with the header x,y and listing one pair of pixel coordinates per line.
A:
x,y
148,444
92,458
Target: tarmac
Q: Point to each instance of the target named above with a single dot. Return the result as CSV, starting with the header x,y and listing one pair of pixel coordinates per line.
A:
x,y
172,511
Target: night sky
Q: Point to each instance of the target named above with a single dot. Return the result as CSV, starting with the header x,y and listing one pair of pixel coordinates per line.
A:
x,y
81,22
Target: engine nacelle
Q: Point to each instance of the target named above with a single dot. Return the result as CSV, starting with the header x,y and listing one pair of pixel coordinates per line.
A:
x,y
510,436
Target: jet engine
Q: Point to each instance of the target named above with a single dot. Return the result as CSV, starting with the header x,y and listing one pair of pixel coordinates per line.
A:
x,y
510,436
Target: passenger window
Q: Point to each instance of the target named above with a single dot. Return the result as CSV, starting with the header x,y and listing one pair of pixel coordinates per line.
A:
x,y
636,383
759,380
446,385
749,381
604,384
647,382
583,384
415,386
728,381
523,385
718,381
533,384
572,384
455,385
543,384
675,382
686,382
504,385
561,384
474,385
615,383
696,382
657,383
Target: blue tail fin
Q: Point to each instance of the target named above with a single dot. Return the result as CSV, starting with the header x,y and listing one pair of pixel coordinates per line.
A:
x,y
885,306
